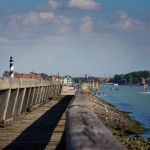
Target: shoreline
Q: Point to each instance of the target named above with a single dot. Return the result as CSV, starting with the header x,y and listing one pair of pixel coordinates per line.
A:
x,y
119,123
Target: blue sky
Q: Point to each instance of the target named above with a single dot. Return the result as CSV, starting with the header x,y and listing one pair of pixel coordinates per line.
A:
x,y
75,37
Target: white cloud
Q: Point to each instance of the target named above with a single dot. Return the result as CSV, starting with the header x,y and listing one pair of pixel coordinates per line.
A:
x,y
125,22
83,4
53,4
62,23
35,18
87,25
32,18
50,5
75,4
46,15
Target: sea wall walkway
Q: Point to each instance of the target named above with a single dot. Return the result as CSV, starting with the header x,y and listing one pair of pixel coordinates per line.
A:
x,y
63,121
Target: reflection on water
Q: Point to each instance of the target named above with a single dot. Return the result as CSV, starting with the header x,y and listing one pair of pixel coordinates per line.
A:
x,y
130,100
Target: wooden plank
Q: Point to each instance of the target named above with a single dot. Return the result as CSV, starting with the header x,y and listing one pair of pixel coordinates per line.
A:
x,y
41,129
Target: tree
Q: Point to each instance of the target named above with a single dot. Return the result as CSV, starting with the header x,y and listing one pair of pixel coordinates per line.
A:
x,y
6,73
44,76
131,78
76,80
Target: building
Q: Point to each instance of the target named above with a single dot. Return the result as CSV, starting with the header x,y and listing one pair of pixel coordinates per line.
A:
x,y
24,75
68,80
105,79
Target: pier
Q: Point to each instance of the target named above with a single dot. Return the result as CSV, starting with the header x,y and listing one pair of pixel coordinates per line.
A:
x,y
41,115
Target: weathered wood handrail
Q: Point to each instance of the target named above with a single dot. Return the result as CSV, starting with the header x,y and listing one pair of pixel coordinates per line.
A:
x,y
19,95
84,130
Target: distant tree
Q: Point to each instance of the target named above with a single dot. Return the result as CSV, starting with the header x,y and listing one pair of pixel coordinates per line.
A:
x,y
76,80
120,79
44,76
6,73
131,78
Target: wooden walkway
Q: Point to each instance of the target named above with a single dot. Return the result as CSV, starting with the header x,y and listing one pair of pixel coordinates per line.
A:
x,y
41,129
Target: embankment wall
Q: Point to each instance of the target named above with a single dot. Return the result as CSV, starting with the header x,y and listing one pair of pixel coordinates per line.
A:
x,y
84,129
20,95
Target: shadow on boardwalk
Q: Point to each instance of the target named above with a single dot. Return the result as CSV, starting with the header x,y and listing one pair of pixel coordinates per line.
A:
x,y
38,134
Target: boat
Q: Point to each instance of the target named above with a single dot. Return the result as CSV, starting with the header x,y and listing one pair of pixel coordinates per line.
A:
x,y
93,85
100,95
115,84
110,89
97,86
145,87
146,91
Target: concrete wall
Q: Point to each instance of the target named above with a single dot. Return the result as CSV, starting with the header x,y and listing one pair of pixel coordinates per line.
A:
x,y
18,96
84,130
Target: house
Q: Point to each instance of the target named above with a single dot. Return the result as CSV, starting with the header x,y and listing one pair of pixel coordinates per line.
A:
x,y
68,80
25,75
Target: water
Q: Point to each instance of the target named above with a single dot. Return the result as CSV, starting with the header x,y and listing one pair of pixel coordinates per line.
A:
x,y
131,100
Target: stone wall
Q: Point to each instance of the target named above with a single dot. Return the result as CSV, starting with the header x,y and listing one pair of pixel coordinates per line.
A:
x,y
84,129
20,95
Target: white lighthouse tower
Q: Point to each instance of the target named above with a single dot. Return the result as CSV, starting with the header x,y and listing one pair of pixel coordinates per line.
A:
x,y
11,67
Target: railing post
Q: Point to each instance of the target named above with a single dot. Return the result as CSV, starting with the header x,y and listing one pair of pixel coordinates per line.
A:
x,y
41,94
31,98
28,98
35,96
22,98
16,97
5,105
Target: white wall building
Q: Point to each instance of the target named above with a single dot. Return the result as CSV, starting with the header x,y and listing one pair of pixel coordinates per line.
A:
x,y
68,80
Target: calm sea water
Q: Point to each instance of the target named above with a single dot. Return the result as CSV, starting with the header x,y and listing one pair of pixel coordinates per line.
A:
x,y
130,100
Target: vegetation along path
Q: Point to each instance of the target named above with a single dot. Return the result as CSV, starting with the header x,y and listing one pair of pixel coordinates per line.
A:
x,y
41,129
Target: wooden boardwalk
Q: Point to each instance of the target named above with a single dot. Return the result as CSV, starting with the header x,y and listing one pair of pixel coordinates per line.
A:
x,y
41,129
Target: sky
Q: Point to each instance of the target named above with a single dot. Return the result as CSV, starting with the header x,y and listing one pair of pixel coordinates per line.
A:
x,y
75,37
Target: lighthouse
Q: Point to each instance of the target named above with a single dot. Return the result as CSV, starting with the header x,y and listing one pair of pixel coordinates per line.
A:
x,y
11,67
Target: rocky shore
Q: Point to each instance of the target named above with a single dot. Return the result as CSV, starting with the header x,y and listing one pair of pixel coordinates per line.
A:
x,y
119,123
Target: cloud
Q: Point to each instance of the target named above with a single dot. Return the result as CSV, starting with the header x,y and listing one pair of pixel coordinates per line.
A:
x,y
50,5
53,4
122,21
125,22
35,18
83,4
62,23
32,18
72,4
87,25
